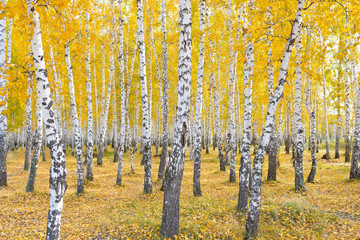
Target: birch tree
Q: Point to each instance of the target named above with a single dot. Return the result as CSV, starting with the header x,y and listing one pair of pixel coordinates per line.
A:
x,y
90,124
347,88
174,172
299,129
28,124
123,96
231,123
270,71
165,103
105,113
146,131
37,146
217,110
327,154
253,218
355,170
76,123
198,106
58,172
3,106
245,166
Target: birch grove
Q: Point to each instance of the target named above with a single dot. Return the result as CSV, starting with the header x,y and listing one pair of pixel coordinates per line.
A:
x,y
181,89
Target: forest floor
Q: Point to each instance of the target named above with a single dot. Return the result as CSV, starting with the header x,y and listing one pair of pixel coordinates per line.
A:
x,y
329,209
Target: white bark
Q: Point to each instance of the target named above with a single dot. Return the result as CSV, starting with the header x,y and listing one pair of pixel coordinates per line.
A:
x,y
3,107
231,123
245,166
57,94
174,172
75,119
123,99
57,179
105,112
90,124
298,127
253,217
28,123
146,131
198,105
165,106
354,170
8,54
347,89
327,154
37,147
217,109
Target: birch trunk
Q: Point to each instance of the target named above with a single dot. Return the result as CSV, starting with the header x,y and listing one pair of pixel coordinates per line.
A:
x,y
198,105
253,217
217,110
270,70
114,124
90,124
354,170
338,122
97,126
299,128
245,166
131,143
123,99
312,134
146,131
58,101
75,119
208,132
158,76
327,154
347,90
8,54
105,112
28,124
114,138
57,178
317,117
37,146
311,176
174,172
3,107
231,123
287,128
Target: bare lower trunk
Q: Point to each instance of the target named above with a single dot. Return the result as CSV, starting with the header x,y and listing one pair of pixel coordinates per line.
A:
x,y
90,128
299,128
355,170
123,99
273,148
311,176
146,131
327,154
174,172
36,153
165,108
28,125
245,166
198,108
